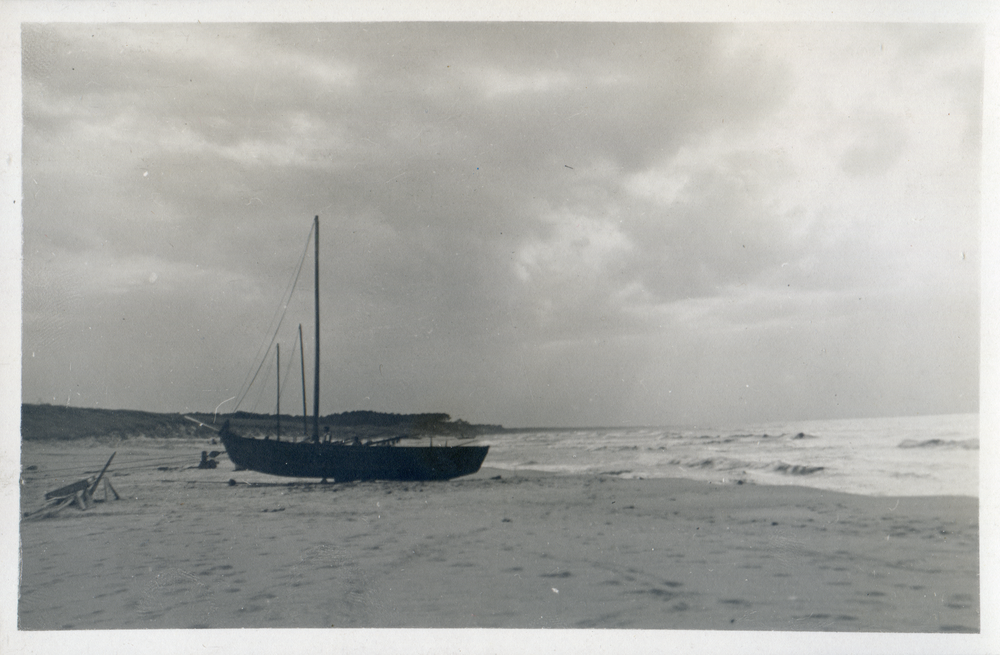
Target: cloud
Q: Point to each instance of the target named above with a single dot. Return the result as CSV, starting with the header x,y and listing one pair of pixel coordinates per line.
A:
x,y
878,144
502,83
506,207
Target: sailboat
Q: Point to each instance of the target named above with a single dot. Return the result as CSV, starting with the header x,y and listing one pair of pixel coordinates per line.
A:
x,y
340,461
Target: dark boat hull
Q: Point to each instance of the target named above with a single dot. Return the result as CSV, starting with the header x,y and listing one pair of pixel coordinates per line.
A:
x,y
342,463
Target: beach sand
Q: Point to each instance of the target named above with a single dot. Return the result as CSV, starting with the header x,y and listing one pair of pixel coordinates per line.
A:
x,y
185,549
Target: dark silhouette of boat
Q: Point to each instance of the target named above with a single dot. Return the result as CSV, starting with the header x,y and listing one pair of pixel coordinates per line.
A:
x,y
343,461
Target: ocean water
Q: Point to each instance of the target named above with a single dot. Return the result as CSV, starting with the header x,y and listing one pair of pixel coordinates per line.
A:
x,y
902,456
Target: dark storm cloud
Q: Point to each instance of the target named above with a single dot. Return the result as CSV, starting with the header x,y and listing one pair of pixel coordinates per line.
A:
x,y
522,222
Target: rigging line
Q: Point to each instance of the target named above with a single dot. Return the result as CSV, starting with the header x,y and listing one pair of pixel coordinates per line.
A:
x,y
160,458
274,336
260,392
127,466
133,469
151,458
288,369
283,309
157,460
139,467
42,472
190,461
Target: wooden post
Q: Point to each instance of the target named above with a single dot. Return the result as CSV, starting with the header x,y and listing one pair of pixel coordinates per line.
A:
x,y
278,372
316,372
94,488
302,362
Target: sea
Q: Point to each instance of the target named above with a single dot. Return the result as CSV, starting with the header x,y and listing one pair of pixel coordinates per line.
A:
x,y
900,456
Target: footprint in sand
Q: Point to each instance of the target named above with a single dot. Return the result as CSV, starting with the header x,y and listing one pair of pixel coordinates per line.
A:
x,y
561,574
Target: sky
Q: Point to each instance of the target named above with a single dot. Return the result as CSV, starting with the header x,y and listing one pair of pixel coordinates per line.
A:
x,y
527,224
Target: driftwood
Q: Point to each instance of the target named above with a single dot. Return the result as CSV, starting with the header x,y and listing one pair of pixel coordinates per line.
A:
x,y
80,493
99,477
49,510
107,485
69,490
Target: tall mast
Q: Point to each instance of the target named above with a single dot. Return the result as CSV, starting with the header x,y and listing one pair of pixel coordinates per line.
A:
x,y
302,361
316,373
278,372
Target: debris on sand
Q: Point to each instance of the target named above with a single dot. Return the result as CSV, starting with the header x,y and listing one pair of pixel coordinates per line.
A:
x,y
80,493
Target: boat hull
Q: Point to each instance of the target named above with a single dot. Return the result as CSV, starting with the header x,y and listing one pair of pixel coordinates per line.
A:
x,y
342,463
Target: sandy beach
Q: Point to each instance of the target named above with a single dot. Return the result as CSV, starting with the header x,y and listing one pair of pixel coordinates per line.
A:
x,y
184,548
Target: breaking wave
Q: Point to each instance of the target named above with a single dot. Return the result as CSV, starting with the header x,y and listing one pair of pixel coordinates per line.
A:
x,y
729,464
741,438
797,469
960,444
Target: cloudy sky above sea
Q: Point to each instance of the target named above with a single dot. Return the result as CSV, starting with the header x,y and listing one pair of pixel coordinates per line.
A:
x,y
533,224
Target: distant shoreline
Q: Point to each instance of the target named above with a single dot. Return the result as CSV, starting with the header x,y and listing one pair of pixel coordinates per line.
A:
x,y
57,422
53,422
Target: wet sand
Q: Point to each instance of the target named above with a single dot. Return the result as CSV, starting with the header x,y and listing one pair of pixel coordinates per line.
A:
x,y
185,549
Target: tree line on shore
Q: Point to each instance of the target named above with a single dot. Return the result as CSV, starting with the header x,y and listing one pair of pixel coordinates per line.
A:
x,y
54,422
